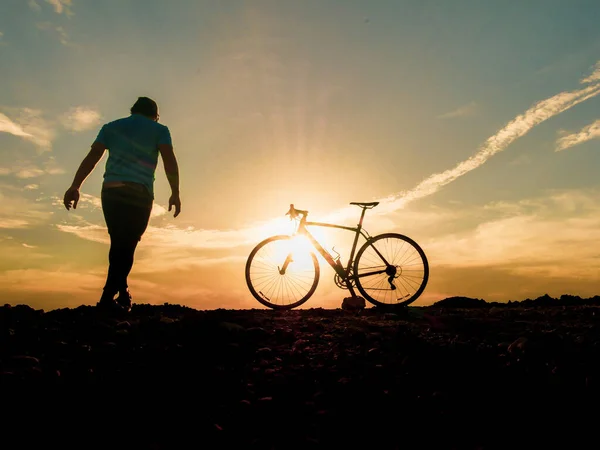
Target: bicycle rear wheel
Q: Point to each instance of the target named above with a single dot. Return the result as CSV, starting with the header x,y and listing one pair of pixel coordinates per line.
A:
x,y
273,288
391,270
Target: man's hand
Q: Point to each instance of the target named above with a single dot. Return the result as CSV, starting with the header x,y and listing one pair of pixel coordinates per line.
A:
x,y
71,196
176,202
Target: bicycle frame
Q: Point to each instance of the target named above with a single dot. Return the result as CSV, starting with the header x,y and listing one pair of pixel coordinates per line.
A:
x,y
335,265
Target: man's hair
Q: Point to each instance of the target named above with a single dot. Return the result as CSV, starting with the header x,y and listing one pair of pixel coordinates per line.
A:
x,y
145,106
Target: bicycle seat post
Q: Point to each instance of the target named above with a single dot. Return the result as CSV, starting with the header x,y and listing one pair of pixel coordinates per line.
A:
x,y
362,216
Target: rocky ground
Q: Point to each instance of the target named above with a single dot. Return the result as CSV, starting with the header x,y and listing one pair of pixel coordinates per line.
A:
x,y
172,377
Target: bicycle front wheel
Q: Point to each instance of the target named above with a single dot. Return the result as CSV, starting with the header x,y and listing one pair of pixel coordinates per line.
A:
x,y
281,272
391,269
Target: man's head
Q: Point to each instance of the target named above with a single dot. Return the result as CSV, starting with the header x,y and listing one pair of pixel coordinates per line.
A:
x,y
146,107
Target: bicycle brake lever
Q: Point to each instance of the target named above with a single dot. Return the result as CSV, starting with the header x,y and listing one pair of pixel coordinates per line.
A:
x,y
291,212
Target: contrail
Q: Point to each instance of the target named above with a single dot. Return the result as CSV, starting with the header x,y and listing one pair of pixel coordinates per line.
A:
x,y
516,128
589,132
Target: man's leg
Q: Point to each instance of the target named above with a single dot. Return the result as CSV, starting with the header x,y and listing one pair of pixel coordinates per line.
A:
x,y
120,262
112,210
127,213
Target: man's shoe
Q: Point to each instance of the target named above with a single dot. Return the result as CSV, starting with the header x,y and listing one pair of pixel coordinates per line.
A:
x,y
109,305
124,300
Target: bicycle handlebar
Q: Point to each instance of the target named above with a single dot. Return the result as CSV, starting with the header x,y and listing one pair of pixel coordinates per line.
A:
x,y
293,212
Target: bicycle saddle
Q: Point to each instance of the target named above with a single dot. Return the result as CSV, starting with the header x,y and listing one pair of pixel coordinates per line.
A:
x,y
365,205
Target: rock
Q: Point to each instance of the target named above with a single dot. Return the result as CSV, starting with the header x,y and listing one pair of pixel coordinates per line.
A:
x,y
232,327
353,303
264,351
518,345
24,361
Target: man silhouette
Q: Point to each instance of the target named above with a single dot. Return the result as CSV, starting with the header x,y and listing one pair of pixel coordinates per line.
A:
x,y
133,144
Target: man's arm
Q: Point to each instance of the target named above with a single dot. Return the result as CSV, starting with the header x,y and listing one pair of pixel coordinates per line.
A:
x,y
88,164
85,168
172,172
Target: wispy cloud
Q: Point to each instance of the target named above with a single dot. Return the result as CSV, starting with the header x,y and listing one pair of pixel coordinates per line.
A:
x,y
92,202
158,211
587,133
57,30
80,118
28,169
170,236
34,6
8,126
19,211
465,110
61,6
523,236
7,222
30,125
595,75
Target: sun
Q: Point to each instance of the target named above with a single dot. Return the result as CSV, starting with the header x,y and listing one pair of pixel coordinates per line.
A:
x,y
300,244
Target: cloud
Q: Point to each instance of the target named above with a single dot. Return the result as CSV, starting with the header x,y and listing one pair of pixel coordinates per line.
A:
x,y
61,6
88,201
523,237
170,236
27,169
191,238
595,75
29,172
8,126
465,110
7,222
30,125
500,240
587,133
158,211
59,31
19,210
80,118
34,6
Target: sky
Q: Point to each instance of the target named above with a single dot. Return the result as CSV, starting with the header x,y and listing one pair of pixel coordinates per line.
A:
x,y
475,124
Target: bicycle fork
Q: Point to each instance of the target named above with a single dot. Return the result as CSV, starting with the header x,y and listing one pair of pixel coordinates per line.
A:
x,y
286,263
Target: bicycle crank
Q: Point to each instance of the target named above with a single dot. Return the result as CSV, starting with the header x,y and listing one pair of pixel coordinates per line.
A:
x,y
343,284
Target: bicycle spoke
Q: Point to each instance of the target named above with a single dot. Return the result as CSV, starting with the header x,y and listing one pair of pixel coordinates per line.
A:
x,y
286,289
408,270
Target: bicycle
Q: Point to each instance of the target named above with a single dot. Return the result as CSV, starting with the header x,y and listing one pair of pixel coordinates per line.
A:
x,y
293,272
